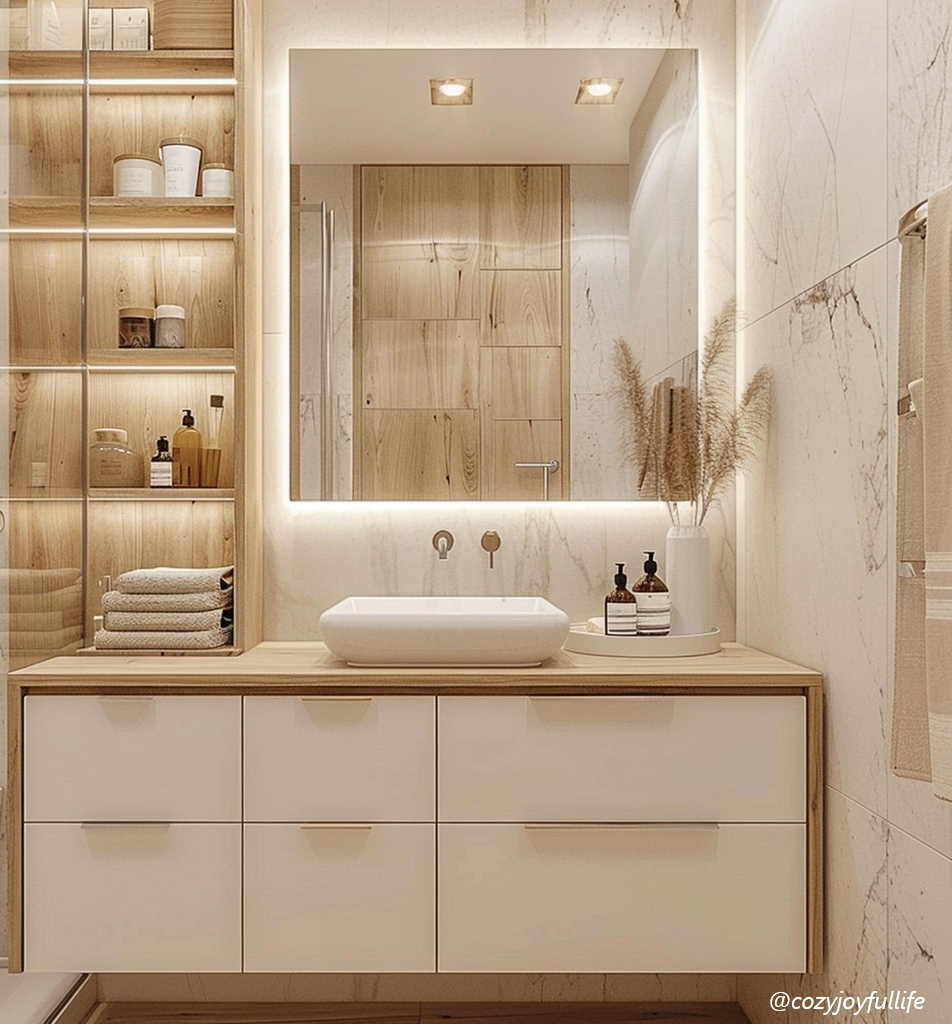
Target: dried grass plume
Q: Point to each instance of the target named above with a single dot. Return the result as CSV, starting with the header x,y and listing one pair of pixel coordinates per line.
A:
x,y
689,447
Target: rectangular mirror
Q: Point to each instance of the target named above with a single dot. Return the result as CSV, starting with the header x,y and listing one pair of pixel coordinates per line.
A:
x,y
462,264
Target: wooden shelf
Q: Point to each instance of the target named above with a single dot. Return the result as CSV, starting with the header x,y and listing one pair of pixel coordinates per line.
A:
x,y
161,493
165,358
160,212
210,652
161,64
45,212
33,64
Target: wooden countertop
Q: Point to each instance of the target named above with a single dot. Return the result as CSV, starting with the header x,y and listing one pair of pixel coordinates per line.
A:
x,y
276,666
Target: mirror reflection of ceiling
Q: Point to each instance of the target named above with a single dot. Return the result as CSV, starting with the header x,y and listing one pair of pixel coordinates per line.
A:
x,y
373,106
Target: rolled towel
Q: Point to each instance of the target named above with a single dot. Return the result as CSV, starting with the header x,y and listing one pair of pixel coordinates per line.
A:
x,y
129,640
176,622
202,601
166,580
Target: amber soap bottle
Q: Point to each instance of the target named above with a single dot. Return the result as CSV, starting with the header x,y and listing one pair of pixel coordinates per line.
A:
x,y
620,610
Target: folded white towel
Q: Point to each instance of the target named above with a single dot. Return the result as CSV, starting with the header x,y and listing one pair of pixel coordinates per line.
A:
x,y
202,601
113,640
166,580
177,622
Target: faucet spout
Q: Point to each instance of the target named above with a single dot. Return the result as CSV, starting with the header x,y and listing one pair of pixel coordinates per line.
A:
x,y
443,542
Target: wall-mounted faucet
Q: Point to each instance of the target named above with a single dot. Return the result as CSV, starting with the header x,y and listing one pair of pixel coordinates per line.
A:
x,y
442,541
490,543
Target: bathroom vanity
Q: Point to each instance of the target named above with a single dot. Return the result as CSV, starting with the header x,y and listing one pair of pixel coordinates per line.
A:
x,y
280,811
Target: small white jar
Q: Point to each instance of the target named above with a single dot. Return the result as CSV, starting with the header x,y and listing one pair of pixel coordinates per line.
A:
x,y
169,326
134,174
181,159
218,181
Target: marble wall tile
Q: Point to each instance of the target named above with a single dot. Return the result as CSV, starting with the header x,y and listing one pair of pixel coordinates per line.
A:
x,y
815,146
815,539
920,102
920,927
856,921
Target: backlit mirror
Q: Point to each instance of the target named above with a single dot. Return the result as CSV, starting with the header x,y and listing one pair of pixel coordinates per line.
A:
x,y
462,263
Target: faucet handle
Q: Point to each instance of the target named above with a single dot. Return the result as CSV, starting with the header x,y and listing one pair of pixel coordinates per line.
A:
x,y
491,543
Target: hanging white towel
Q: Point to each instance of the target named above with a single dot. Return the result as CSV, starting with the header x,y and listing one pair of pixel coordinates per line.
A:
x,y
937,486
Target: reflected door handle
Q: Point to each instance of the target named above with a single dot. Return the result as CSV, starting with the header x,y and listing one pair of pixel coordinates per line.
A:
x,y
552,466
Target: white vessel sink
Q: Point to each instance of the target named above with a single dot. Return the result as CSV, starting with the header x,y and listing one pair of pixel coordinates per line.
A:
x,y
500,631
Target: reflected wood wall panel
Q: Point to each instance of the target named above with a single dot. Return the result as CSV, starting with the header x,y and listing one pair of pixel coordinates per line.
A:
x,y
522,383
419,251
521,217
521,307
434,338
419,454
420,364
46,143
524,440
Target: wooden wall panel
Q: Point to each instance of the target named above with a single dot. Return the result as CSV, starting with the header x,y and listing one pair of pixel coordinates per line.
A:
x,y
420,364
42,588
520,307
135,123
126,535
196,274
46,285
45,421
523,383
147,405
46,142
525,441
521,217
419,231
420,455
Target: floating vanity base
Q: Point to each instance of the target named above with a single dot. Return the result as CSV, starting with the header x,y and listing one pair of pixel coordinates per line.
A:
x,y
582,641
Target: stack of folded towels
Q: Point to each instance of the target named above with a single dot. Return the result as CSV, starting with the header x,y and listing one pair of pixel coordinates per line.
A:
x,y
177,609
45,612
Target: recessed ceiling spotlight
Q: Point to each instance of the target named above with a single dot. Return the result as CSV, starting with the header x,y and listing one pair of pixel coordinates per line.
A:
x,y
451,91
598,90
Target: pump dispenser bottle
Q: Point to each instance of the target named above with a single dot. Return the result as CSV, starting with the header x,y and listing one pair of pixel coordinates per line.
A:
x,y
652,601
620,610
186,453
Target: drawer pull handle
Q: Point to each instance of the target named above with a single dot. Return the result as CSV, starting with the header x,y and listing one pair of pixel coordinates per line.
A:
x,y
126,824
693,826
335,697
329,825
125,697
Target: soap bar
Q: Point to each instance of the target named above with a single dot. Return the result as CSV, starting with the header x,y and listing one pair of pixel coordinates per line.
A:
x,y
595,625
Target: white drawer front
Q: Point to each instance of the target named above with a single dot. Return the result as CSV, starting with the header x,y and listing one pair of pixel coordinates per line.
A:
x,y
641,898
124,897
338,759
340,899
132,758
622,759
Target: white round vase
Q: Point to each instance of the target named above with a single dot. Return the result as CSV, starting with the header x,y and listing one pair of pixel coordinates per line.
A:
x,y
687,566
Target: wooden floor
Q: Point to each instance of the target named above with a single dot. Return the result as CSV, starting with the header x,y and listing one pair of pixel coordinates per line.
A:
x,y
417,1013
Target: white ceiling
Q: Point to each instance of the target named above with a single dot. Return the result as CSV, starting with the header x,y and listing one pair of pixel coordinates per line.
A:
x,y
373,106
